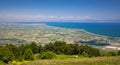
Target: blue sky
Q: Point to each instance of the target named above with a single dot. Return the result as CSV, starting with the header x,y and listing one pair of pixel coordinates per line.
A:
x,y
58,10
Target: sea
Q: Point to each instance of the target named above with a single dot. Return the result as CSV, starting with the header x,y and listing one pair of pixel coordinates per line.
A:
x,y
106,29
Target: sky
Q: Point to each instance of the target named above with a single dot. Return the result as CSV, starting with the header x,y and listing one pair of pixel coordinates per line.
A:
x,y
59,10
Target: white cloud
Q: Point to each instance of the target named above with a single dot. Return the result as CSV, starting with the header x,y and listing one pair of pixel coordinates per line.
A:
x,y
25,17
83,17
66,17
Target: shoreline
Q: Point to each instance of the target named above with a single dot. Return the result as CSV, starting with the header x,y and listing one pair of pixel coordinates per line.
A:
x,y
44,23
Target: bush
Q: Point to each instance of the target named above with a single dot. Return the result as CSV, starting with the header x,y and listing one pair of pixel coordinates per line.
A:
x,y
28,54
47,55
111,53
6,55
118,52
84,54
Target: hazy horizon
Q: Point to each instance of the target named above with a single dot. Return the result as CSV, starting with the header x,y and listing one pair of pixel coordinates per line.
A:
x,y
59,10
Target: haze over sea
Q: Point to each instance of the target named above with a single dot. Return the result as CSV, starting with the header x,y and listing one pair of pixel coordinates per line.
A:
x,y
106,29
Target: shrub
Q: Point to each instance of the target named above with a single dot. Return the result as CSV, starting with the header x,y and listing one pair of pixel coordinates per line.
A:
x,y
118,52
47,55
111,53
84,54
6,55
28,54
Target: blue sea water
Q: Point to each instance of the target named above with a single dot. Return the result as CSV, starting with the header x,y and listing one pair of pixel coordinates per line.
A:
x,y
106,29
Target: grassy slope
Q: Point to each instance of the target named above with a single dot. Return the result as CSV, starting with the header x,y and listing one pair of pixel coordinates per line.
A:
x,y
78,61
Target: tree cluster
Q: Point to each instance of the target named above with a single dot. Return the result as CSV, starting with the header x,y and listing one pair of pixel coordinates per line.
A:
x,y
26,52
60,47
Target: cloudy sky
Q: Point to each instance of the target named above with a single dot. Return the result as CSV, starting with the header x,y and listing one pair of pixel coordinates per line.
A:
x,y
58,10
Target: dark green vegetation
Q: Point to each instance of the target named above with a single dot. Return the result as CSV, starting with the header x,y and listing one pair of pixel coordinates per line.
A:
x,y
26,52
60,47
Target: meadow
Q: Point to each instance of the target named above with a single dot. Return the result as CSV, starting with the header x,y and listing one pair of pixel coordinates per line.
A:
x,y
71,60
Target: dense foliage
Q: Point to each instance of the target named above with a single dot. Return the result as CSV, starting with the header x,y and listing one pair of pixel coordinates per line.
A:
x,y
6,55
25,52
28,54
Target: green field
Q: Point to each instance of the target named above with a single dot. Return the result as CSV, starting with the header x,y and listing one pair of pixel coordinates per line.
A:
x,y
65,60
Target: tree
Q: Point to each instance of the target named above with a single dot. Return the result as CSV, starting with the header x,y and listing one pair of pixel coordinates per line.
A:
x,y
94,52
68,50
34,47
28,54
49,47
47,55
14,50
6,55
89,50
59,47
118,52
40,49
75,49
